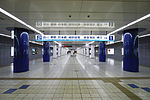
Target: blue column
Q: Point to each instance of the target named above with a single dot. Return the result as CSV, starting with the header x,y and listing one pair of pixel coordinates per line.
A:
x,y
102,52
21,43
131,58
46,54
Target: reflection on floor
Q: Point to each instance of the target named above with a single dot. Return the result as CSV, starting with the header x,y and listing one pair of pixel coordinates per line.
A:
x,y
74,67
75,78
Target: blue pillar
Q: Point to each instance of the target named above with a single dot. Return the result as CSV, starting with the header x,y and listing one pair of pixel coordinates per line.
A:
x,y
131,58
21,43
102,52
46,54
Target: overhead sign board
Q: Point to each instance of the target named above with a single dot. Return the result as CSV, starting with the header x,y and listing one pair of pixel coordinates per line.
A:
x,y
74,37
44,24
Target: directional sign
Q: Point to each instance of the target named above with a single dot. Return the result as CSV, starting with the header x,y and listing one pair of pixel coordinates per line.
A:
x,y
74,37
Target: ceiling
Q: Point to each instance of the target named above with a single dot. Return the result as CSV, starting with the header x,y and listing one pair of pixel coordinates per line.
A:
x,y
121,12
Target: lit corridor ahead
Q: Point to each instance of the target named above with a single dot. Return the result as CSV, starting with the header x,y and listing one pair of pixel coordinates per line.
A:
x,y
74,78
74,67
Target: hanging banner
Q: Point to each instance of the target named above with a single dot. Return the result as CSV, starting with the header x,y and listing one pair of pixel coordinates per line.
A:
x,y
74,38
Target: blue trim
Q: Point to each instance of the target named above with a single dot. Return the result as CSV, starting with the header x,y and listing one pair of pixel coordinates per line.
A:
x,y
133,86
24,87
9,91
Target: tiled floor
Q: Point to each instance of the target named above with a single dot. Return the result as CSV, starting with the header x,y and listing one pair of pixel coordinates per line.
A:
x,y
74,67
61,90
74,78
140,87
75,89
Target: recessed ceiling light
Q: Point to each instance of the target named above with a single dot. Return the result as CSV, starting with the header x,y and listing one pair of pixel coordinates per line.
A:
x,y
88,16
69,16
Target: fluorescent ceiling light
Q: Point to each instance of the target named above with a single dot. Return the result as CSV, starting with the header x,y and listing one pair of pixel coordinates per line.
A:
x,y
114,42
57,43
144,35
5,35
122,40
132,23
20,21
35,42
8,36
90,42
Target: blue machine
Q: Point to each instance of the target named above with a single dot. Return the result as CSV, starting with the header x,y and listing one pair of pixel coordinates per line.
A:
x,y
102,52
46,54
131,58
21,43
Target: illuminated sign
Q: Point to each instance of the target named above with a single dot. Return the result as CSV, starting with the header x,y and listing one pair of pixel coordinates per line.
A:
x,y
74,37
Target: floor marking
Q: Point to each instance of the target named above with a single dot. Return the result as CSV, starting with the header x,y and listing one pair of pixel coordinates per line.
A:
x,y
146,89
133,86
9,91
24,87
131,95
115,81
12,90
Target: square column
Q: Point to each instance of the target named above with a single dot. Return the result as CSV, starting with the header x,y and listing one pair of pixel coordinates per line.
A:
x,y
84,51
92,51
55,51
59,51
87,50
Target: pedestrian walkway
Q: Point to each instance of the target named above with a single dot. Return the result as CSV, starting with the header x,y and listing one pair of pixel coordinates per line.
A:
x,y
74,67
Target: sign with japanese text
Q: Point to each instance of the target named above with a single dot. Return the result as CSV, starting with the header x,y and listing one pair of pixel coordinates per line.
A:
x,y
74,37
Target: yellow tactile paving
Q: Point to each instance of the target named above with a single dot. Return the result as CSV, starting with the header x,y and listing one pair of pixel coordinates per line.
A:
x,y
68,90
76,80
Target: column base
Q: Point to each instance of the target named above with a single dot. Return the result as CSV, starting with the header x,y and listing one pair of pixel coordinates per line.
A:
x,y
130,64
21,65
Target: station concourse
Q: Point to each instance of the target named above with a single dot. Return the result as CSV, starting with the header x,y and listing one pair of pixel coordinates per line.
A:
x,y
74,50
